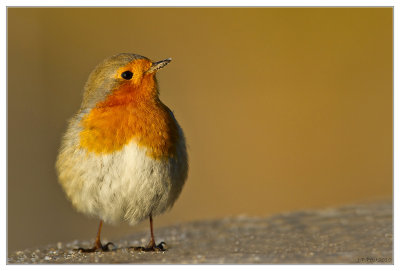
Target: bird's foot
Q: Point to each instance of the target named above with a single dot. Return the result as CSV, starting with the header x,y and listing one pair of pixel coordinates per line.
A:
x,y
151,247
97,247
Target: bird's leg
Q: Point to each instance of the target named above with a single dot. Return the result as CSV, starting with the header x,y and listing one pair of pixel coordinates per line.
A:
x,y
152,243
151,246
97,244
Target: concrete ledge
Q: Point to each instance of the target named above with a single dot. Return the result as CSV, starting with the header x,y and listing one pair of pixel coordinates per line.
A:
x,y
350,234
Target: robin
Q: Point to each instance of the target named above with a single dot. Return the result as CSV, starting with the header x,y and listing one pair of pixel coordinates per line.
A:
x,y
123,156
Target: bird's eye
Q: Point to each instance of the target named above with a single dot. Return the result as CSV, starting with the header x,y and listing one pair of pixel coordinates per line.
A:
x,y
127,75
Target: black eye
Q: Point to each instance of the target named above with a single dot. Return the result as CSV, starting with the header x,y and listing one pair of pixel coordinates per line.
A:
x,y
127,75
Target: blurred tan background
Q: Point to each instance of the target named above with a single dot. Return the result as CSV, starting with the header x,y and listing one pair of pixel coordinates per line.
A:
x,y
283,108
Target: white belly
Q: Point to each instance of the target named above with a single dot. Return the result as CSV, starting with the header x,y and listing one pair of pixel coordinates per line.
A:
x,y
126,185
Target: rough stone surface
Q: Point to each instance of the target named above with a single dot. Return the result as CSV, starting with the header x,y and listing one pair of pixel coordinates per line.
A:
x,y
350,234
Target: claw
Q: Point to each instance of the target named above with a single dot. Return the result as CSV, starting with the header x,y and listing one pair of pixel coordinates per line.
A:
x,y
160,247
152,244
105,247
102,248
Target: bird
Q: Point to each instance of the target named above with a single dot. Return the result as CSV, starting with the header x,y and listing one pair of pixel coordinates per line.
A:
x,y
123,157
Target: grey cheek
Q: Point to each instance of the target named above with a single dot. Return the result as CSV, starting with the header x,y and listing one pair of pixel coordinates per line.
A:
x,y
102,92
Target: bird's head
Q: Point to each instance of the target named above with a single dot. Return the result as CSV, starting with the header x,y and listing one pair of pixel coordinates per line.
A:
x,y
122,78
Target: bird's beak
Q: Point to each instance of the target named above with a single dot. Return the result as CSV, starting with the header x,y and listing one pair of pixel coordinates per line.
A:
x,y
159,65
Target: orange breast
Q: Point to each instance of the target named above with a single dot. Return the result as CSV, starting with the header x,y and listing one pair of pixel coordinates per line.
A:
x,y
131,113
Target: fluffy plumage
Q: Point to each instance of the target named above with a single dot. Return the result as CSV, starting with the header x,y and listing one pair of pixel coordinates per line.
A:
x,y
123,156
